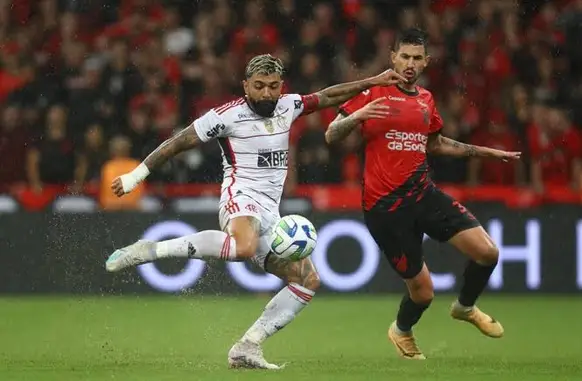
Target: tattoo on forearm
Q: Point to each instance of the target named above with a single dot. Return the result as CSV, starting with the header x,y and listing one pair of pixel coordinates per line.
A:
x,y
340,128
466,149
182,141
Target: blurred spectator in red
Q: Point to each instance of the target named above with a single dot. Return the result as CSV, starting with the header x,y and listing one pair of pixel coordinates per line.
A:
x,y
156,96
14,139
12,75
52,159
257,35
556,150
495,172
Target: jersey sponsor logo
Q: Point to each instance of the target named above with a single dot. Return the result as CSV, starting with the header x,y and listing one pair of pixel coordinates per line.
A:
x,y
273,159
397,99
244,116
214,131
406,141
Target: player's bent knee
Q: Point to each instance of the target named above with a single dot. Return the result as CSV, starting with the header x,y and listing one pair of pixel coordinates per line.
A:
x,y
245,249
487,255
420,287
423,296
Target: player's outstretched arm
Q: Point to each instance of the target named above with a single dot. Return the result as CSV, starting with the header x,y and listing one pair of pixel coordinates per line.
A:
x,y
441,145
181,141
338,94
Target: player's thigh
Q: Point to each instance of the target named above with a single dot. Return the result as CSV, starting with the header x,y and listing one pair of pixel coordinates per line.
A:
x,y
446,220
442,217
302,272
241,218
397,237
477,245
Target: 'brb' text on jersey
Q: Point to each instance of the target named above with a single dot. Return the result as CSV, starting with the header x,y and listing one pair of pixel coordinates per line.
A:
x,y
396,171
255,149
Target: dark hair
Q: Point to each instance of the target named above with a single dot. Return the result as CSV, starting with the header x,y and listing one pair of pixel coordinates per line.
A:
x,y
264,64
412,36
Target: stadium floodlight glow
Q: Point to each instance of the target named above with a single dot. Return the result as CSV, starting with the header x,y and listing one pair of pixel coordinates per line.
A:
x,y
164,282
251,281
370,255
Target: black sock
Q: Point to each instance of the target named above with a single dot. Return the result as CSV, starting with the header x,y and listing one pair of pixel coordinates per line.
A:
x,y
409,313
475,279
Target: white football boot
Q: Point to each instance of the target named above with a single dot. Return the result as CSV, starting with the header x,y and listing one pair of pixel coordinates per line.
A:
x,y
245,354
134,254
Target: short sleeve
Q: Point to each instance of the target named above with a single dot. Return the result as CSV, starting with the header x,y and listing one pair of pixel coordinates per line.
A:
x,y
210,126
302,104
436,121
356,103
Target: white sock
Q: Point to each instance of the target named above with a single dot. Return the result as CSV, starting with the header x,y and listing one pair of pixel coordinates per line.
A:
x,y
459,306
279,312
205,244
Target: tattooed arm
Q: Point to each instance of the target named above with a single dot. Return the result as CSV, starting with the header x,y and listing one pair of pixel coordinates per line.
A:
x,y
182,141
343,125
341,128
338,94
440,145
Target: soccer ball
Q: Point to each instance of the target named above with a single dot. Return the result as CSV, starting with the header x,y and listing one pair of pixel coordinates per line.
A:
x,y
293,238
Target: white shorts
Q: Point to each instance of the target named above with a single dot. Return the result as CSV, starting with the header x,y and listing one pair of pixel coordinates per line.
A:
x,y
242,205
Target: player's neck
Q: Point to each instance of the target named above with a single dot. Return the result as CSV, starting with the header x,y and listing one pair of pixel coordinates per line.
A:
x,y
408,89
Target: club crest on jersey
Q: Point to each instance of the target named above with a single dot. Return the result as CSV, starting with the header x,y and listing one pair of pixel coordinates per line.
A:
x,y
424,109
269,126
298,104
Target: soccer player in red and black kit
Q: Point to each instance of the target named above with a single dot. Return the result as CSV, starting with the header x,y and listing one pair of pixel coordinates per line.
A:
x,y
400,125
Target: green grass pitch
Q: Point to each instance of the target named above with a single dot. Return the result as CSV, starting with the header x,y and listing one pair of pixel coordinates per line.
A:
x,y
335,338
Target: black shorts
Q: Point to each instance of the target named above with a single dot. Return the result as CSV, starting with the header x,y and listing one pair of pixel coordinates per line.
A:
x,y
399,234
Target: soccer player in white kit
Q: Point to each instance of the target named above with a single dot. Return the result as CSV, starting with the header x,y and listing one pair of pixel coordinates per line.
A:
x,y
253,133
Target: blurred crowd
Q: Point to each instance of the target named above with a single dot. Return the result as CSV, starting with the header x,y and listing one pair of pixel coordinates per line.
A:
x,y
88,85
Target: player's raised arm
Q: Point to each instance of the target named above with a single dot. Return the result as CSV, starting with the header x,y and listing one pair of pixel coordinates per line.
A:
x,y
338,94
344,124
208,126
181,141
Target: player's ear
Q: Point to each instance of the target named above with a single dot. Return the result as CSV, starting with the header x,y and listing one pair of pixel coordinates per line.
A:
x,y
393,56
427,60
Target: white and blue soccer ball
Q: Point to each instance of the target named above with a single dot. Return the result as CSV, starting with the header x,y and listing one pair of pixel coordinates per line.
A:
x,y
293,238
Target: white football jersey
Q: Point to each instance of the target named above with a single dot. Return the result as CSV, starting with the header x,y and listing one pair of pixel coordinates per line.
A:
x,y
255,149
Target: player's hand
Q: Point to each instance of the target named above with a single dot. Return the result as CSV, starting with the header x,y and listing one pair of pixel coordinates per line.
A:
x,y
123,184
388,78
506,155
373,110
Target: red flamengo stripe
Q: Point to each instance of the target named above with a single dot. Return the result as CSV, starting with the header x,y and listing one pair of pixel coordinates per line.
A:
x,y
302,295
225,249
225,107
